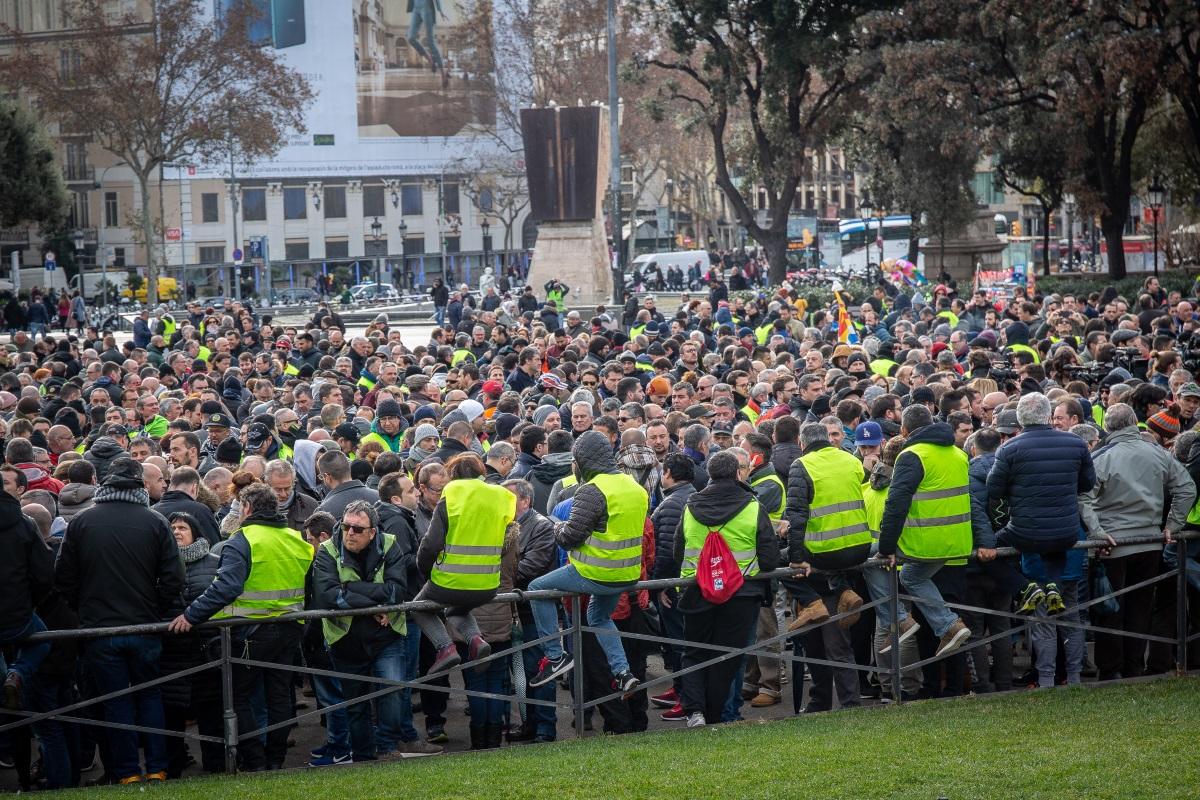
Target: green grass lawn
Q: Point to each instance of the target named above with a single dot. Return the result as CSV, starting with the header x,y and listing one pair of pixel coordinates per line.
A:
x,y
1137,741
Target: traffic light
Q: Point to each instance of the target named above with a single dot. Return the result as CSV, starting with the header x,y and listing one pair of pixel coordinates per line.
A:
x,y
1016,228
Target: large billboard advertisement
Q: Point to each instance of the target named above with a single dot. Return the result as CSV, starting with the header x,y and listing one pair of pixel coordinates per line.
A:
x,y
401,86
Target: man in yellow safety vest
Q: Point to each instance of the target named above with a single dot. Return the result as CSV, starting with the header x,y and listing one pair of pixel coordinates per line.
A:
x,y
927,520
261,574
603,539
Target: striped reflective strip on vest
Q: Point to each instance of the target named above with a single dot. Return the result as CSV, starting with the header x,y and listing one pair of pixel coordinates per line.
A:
x,y
835,533
692,554
940,494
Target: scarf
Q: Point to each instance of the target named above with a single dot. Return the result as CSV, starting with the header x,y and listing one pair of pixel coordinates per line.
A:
x,y
419,454
194,551
111,494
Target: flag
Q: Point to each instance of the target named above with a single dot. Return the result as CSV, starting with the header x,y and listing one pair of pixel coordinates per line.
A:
x,y
846,332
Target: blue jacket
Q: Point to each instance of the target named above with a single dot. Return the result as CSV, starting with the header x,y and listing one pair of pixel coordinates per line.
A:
x,y
1040,474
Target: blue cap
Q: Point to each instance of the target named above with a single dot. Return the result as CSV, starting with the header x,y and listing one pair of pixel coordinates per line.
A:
x,y
868,433
744,332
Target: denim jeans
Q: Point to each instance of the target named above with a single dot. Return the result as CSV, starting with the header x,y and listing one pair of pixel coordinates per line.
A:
x,y
412,660
1191,549
542,717
493,679
59,741
439,315
29,656
337,729
1047,636
601,604
916,579
115,663
733,706
391,664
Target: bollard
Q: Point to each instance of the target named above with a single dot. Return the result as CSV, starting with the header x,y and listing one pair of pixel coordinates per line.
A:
x,y
1181,615
894,588
230,716
577,673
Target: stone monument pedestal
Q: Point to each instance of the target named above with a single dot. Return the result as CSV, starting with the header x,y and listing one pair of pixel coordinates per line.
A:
x,y
575,253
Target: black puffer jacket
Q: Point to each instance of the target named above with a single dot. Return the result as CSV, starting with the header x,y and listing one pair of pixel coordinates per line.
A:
x,y
782,456
666,518
542,477
714,505
26,564
402,523
101,454
179,652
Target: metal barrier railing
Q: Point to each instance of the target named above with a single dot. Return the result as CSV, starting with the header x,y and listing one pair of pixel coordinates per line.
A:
x,y
579,703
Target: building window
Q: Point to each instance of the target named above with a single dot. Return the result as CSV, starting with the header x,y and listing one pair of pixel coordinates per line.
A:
x,y
452,244
118,256
486,200
450,198
335,202
414,245
112,212
372,248
373,202
254,205
410,200
295,204
79,217
212,254
295,251
208,207
337,249
68,64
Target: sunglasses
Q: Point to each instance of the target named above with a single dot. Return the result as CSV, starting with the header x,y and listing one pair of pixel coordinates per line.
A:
x,y
355,529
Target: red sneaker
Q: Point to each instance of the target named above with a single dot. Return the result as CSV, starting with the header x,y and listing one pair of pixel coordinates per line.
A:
x,y
667,699
675,713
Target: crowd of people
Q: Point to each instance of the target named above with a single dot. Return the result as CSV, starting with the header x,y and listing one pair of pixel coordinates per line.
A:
x,y
220,465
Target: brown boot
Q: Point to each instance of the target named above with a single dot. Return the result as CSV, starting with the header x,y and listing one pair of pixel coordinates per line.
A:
x,y
813,612
908,627
953,638
763,700
849,601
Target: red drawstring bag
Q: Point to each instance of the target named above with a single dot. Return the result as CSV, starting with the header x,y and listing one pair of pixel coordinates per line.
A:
x,y
717,572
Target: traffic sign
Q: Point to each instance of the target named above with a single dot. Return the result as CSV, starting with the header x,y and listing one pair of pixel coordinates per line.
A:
x,y
174,234
50,263
238,256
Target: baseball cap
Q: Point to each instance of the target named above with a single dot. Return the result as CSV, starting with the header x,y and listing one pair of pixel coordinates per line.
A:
x,y
492,388
218,420
347,430
868,433
1189,389
699,411
257,436
722,428
1007,423
552,381
283,343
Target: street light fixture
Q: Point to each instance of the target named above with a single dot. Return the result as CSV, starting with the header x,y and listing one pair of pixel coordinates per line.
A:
x,y
1069,207
486,228
395,199
376,229
866,211
1157,195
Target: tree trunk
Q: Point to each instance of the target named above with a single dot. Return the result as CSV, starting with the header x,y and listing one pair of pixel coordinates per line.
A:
x,y
1047,213
775,243
1113,228
148,235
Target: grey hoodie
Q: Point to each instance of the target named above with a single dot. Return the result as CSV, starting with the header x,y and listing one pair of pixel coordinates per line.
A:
x,y
75,497
1134,478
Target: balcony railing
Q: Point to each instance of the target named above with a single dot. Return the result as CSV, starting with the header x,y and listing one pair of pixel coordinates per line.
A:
x,y
79,173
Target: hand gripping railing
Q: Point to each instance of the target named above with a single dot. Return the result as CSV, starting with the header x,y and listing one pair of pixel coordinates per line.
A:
x,y
579,703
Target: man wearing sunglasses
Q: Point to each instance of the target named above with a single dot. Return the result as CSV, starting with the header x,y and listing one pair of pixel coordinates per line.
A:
x,y
359,568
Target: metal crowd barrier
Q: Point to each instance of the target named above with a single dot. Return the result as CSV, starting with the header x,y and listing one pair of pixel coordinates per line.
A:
x,y
579,704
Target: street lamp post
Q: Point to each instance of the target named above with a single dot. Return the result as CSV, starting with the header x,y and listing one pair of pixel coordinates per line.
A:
x,y
1156,195
1069,207
866,211
404,253
376,233
77,238
486,228
671,213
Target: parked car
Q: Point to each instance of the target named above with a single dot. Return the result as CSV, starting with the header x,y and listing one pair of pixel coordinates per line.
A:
x,y
370,292
295,296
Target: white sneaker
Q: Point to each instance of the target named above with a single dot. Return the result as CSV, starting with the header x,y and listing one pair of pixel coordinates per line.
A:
x,y
696,720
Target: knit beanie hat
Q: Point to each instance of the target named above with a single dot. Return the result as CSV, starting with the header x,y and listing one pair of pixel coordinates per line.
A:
x,y
1165,423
